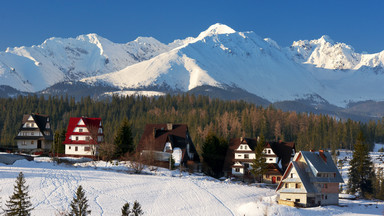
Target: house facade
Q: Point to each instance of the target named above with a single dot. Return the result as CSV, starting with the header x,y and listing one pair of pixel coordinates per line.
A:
x,y
311,179
241,153
83,136
163,141
35,133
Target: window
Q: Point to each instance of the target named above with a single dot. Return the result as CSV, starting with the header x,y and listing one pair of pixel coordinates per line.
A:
x,y
288,199
245,147
32,142
237,169
238,155
24,143
241,147
298,185
334,175
325,185
80,130
291,175
77,138
269,151
246,156
286,185
297,200
278,178
322,196
76,148
87,148
87,138
69,147
267,176
32,133
326,196
270,159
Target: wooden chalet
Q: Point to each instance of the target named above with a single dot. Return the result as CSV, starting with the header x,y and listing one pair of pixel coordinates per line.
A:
x,y
163,141
35,133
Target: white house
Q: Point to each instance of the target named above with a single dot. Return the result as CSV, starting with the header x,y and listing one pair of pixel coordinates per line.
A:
x,y
35,133
83,136
311,179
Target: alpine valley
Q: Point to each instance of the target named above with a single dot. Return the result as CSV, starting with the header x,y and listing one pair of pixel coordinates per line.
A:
x,y
319,76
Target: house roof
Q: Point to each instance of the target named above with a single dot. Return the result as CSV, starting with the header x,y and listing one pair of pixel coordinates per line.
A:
x,y
283,151
92,124
41,122
156,135
321,162
307,171
274,169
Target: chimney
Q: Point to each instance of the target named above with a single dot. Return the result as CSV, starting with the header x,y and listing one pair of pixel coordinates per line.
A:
x,y
169,126
322,155
154,132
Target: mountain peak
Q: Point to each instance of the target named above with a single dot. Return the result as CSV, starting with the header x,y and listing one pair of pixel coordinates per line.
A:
x,y
325,39
216,29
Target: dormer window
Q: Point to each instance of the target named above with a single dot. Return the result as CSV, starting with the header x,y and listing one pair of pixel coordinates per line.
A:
x,y
241,147
167,147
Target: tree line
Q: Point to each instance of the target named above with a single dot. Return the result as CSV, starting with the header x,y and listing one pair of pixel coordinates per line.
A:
x,y
227,119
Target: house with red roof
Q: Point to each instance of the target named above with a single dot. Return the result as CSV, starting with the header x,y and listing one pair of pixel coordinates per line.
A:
x,y
163,141
83,136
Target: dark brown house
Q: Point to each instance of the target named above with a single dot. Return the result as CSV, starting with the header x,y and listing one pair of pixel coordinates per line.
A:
x,y
162,141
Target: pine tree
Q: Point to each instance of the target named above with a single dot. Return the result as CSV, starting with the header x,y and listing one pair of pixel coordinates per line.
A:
x,y
259,166
19,203
123,139
136,209
125,210
79,205
214,150
361,171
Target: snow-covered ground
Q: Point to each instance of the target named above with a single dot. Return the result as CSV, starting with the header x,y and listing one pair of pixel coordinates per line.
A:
x,y
161,192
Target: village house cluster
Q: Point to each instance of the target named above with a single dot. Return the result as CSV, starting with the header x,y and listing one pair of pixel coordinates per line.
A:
x,y
304,178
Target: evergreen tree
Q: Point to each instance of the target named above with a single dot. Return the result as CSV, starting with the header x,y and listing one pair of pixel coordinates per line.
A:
x,y
79,205
361,171
136,209
125,210
214,150
19,203
123,139
259,166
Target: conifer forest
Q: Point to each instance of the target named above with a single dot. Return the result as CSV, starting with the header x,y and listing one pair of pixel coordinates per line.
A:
x,y
227,119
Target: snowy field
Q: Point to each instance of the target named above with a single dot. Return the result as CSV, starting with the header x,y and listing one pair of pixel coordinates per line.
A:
x,y
160,192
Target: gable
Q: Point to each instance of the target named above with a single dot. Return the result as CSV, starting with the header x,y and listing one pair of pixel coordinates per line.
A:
x,y
81,122
30,118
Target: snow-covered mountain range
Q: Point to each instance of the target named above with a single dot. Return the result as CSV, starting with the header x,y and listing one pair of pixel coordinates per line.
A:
x,y
219,57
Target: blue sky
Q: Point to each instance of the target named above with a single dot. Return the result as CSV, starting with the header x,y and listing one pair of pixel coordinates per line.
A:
x,y
358,23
